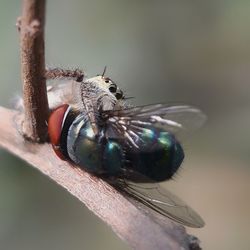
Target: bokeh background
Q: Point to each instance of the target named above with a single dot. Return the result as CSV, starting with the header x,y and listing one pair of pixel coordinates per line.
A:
x,y
195,52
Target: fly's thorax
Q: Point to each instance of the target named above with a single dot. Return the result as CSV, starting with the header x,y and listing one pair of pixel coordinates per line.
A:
x,y
82,146
94,153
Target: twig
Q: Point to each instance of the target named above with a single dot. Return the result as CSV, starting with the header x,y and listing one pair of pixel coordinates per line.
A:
x,y
138,229
31,27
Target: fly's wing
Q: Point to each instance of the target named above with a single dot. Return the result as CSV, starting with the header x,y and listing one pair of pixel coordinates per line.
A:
x,y
68,92
129,123
155,197
59,94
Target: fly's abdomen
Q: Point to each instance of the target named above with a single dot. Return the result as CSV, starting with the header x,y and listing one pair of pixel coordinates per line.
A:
x,y
159,155
113,157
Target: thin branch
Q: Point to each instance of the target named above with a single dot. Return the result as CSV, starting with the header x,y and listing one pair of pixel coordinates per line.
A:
x,y
139,229
31,27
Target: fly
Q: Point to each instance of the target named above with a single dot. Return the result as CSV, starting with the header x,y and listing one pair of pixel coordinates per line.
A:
x,y
134,148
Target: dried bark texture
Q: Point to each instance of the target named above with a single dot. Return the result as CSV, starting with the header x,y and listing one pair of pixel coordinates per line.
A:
x,y
139,229
31,27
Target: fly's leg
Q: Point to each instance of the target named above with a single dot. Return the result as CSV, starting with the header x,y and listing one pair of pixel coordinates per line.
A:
x,y
58,73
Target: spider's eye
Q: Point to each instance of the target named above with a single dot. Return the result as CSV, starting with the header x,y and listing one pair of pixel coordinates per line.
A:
x,y
107,80
112,88
119,95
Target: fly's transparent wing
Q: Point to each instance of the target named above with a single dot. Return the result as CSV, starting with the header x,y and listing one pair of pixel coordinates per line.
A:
x,y
155,197
130,123
59,94
67,92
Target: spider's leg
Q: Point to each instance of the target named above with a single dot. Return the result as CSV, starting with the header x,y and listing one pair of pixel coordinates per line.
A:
x,y
58,73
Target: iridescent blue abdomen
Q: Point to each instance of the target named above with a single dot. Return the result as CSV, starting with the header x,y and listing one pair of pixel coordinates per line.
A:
x,y
159,155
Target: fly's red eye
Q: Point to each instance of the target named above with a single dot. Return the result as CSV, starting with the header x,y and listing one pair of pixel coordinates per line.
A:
x,y
55,128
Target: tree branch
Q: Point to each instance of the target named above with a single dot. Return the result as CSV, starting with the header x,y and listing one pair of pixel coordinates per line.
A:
x,y
31,27
140,229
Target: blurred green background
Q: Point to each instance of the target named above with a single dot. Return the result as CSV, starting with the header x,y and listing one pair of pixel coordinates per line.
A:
x,y
194,52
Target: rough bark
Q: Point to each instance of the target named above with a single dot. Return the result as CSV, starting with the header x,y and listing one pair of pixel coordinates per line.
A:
x,y
31,27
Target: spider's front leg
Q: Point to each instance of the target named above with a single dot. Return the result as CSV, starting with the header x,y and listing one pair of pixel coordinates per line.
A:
x,y
59,73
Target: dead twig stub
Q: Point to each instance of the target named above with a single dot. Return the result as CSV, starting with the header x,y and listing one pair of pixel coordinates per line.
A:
x,y
31,27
